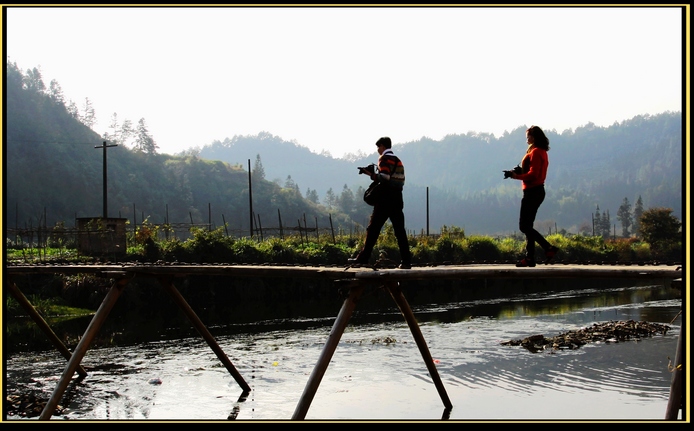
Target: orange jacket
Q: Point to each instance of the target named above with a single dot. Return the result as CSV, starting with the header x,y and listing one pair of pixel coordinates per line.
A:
x,y
534,165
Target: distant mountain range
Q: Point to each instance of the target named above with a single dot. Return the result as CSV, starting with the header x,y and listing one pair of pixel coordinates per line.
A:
x,y
54,173
591,167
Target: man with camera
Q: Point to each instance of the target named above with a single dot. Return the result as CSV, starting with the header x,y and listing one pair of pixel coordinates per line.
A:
x,y
391,175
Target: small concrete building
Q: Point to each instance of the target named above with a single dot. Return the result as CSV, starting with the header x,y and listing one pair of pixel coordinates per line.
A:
x,y
101,237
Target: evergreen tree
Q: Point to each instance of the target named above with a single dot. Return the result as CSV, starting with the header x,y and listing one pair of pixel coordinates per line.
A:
x,y
120,133
602,224
597,221
638,212
330,200
34,81
289,183
258,170
346,200
605,224
624,216
126,132
143,140
56,92
88,117
312,195
73,110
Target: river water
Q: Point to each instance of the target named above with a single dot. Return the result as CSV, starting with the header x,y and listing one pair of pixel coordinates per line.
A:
x,y
377,371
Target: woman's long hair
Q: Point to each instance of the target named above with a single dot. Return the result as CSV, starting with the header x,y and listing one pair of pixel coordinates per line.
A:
x,y
539,138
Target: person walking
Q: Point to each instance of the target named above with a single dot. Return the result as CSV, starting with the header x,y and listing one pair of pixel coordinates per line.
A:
x,y
532,171
390,205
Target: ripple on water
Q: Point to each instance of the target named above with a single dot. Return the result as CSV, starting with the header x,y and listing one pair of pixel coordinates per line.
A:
x,y
377,370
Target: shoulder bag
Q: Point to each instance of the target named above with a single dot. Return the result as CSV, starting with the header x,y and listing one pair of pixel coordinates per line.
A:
x,y
374,192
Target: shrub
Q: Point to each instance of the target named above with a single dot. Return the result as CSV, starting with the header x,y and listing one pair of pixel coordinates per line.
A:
x,y
207,246
642,251
669,251
658,225
323,254
245,250
278,251
582,247
422,253
482,248
173,250
622,249
510,248
449,250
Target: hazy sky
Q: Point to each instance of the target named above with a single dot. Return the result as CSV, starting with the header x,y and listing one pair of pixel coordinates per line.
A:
x,y
339,78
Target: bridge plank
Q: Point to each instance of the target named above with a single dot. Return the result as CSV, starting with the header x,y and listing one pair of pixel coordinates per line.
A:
x,y
476,271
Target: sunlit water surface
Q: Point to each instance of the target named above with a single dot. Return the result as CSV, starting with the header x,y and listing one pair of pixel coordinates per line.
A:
x,y
377,371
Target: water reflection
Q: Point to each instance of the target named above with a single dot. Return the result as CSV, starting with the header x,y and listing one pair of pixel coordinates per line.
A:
x,y
165,371
522,306
168,322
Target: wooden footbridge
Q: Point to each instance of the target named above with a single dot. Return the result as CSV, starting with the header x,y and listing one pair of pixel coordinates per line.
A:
x,y
355,279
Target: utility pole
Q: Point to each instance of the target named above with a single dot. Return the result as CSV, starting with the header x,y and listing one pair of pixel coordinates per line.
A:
x,y
104,146
427,211
250,195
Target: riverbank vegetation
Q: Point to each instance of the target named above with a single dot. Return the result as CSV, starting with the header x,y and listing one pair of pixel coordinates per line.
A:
x,y
660,241
64,298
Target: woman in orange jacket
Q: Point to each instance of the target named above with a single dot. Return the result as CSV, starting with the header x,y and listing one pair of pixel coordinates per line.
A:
x,y
533,172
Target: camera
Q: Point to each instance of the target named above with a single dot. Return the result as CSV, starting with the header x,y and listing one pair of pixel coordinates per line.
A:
x,y
369,170
516,170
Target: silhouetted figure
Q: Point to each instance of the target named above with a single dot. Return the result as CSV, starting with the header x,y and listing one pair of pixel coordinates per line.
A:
x,y
532,171
391,173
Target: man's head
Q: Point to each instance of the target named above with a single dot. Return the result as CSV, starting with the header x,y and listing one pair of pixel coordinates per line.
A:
x,y
383,142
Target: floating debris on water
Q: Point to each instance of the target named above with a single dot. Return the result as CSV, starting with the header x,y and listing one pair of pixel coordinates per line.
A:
x,y
609,332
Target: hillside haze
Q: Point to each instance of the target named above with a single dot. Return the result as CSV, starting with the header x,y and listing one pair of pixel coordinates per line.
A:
x,y
590,167
53,173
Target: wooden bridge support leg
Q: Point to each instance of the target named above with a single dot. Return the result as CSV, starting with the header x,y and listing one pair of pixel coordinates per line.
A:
x,y
43,325
81,349
675,401
202,329
324,360
396,293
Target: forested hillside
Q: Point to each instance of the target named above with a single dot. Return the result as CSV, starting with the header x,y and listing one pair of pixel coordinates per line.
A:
x,y
52,168
590,168
53,173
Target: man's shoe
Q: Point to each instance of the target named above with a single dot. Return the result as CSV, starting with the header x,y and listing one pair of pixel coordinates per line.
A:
x,y
356,261
405,266
525,262
550,253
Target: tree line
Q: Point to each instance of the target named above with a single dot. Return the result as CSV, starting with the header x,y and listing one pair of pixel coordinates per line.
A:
x,y
137,137
53,164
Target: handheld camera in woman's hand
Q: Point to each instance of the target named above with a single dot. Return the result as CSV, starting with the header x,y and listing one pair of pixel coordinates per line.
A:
x,y
516,170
